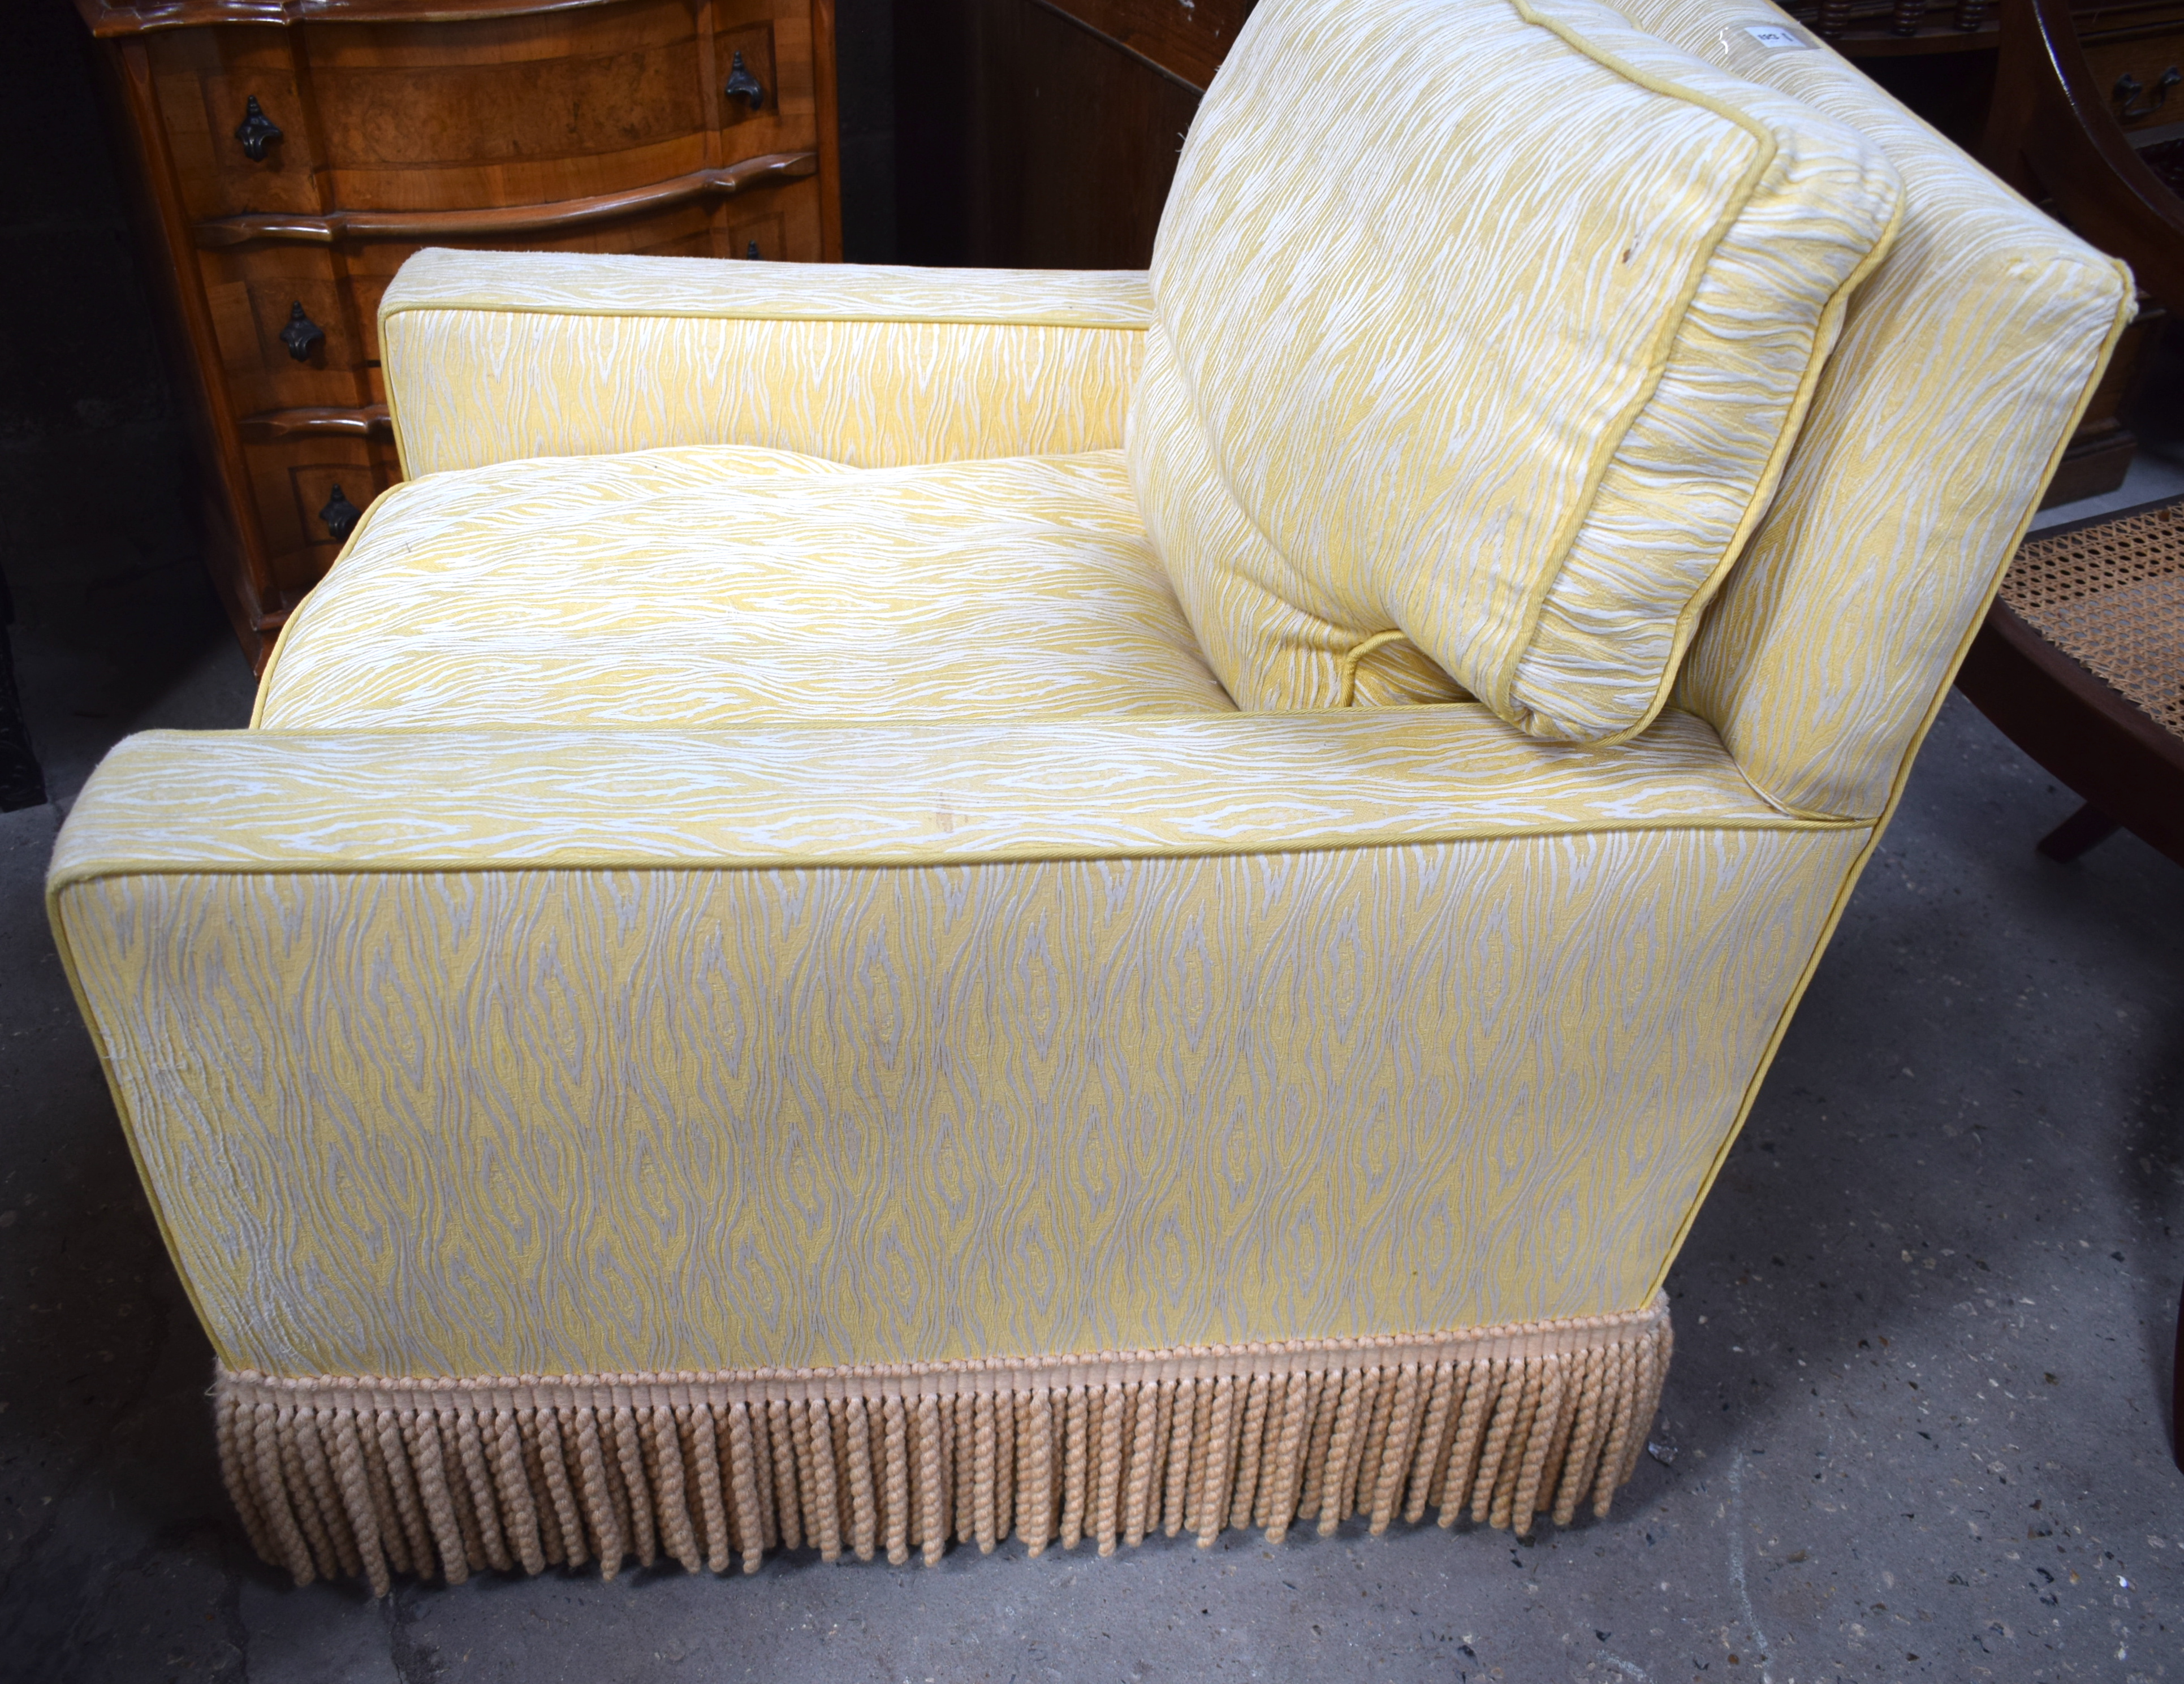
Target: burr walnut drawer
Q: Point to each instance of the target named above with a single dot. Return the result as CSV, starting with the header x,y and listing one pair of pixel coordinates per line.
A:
x,y
252,292
521,109
309,491
293,153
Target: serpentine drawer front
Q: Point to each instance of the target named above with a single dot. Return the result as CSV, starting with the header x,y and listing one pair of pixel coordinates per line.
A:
x,y
294,152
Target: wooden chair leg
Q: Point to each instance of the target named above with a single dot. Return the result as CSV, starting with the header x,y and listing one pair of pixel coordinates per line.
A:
x,y
2083,828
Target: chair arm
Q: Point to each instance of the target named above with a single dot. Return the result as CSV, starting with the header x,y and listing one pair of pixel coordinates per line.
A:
x,y
577,1052
2052,128
490,356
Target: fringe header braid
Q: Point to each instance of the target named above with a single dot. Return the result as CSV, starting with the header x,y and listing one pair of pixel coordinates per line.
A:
x,y
369,1478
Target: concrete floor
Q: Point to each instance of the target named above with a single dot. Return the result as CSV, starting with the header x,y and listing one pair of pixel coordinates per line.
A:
x,y
1915,1426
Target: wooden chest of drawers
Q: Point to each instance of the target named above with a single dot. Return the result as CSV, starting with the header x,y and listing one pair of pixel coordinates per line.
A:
x,y
293,153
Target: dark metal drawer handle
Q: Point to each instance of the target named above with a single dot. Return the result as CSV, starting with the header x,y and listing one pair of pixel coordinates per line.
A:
x,y
340,516
302,336
256,131
2129,88
742,84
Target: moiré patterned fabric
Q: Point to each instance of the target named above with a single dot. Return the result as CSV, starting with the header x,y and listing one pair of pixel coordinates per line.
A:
x,y
708,586
407,1105
482,1051
897,793
495,356
1522,413
1962,366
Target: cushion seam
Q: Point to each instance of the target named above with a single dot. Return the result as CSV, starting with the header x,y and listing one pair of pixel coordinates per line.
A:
x,y
1771,478
1765,150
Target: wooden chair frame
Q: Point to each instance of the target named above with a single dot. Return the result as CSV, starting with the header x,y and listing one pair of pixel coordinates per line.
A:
x,y
2052,134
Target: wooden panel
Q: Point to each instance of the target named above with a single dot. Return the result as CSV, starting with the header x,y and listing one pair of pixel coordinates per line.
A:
x,y
574,125
502,111
546,221
291,482
205,79
1028,140
1890,29
1188,42
251,296
508,110
2145,59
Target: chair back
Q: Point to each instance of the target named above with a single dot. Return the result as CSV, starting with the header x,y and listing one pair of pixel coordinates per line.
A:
x,y
1964,365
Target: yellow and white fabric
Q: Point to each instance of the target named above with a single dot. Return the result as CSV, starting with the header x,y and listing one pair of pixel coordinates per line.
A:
x,y
753,986
1956,381
722,584
499,356
557,1052
1510,385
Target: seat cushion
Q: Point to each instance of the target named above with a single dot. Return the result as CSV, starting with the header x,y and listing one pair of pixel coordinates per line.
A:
x,y
1484,393
711,585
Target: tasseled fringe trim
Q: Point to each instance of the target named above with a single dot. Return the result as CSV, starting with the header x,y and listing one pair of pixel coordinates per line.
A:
x,y
373,1477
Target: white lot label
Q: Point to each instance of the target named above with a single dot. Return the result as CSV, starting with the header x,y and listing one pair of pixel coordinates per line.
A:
x,y
1774,38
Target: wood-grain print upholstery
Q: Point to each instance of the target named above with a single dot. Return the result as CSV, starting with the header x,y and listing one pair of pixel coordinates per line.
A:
x,y
1608,273
591,1125
1828,650
711,585
496,356
561,1053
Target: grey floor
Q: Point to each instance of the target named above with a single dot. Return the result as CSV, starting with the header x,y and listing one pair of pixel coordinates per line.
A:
x,y
1915,1426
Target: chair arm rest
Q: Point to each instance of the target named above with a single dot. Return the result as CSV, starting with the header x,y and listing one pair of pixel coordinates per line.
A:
x,y
490,356
892,793
597,1052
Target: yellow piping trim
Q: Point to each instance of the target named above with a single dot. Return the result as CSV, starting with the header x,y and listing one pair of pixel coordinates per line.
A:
x,y
1130,312
1664,345
1824,340
280,638
1346,694
918,859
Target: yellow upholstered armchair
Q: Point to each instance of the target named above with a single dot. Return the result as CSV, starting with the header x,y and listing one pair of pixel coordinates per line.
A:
x,y
883,907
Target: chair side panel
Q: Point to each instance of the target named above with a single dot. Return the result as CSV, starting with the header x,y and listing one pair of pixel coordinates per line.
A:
x,y
567,1121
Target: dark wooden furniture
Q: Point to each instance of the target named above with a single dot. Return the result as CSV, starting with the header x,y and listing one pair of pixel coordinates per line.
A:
x,y
1045,136
2075,98
293,153
1905,29
2125,763
2060,131
1940,57
2056,131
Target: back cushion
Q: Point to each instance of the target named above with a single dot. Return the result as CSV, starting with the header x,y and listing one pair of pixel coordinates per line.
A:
x,y
1482,329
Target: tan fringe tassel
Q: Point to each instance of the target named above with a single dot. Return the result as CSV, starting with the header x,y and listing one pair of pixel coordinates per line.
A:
x,y
371,1478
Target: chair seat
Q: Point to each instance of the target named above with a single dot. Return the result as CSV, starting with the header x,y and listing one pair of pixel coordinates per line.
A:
x,y
712,585
2109,594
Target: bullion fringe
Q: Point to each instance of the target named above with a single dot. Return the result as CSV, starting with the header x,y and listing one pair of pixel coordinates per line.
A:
x,y
369,1478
